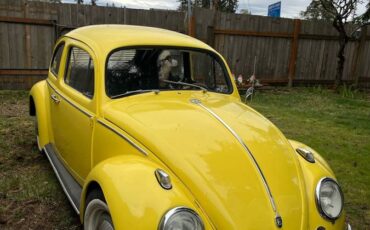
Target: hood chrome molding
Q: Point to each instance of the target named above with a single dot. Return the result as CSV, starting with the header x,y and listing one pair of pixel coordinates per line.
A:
x,y
278,219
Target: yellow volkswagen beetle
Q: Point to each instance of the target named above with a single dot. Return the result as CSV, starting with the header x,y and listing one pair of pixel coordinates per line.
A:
x,y
145,129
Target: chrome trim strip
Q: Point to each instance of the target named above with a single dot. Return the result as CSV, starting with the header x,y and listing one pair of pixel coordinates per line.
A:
x,y
175,210
61,183
69,102
267,188
317,198
123,136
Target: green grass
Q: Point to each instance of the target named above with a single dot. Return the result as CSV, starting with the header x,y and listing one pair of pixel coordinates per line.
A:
x,y
337,125
30,195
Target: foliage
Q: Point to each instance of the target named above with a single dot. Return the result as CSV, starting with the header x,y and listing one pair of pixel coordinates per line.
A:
x,y
365,17
245,11
339,13
229,6
348,91
315,11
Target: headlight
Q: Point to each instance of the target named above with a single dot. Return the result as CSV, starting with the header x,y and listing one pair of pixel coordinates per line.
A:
x,y
329,198
181,218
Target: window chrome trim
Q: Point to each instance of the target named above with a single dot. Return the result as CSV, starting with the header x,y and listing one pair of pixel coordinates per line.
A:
x,y
69,102
278,219
68,59
123,136
175,210
317,199
55,51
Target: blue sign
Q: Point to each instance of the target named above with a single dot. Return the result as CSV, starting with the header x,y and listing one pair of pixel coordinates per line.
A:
x,y
274,10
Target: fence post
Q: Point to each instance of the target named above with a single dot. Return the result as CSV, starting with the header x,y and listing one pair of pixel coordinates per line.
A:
x,y
192,26
358,54
293,52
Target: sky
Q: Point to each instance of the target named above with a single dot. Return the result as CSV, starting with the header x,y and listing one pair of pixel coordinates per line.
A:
x,y
289,8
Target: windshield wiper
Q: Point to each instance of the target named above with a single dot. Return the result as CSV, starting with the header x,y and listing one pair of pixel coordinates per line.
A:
x,y
186,84
156,91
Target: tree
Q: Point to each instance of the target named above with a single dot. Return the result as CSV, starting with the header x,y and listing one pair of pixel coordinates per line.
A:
x,y
220,5
315,11
79,1
93,2
365,17
339,13
245,11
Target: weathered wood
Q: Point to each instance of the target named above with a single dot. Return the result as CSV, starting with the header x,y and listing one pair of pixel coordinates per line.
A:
x,y
28,30
293,52
359,54
192,26
23,72
29,21
252,33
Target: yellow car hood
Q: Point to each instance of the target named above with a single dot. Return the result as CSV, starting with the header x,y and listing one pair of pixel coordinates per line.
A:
x,y
212,163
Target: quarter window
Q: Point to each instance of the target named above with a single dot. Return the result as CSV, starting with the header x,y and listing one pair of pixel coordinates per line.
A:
x,y
80,72
56,59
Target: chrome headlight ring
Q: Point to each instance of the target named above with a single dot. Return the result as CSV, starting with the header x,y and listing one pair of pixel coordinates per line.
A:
x,y
180,216
329,199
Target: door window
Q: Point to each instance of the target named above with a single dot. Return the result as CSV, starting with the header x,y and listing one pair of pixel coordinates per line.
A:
x,y
80,72
55,63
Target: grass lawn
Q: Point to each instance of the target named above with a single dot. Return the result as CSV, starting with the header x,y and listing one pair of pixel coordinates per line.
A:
x,y
30,195
338,127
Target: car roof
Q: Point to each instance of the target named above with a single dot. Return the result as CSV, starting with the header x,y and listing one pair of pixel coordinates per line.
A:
x,y
109,37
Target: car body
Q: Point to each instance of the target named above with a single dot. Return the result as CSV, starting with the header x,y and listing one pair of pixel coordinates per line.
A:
x,y
165,149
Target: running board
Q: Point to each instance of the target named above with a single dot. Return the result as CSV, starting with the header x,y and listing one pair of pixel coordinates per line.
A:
x,y
70,186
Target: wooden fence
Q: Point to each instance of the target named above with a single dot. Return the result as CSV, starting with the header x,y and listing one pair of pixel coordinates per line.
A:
x,y
301,51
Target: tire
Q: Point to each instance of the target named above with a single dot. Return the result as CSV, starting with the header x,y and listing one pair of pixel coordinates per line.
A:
x,y
97,215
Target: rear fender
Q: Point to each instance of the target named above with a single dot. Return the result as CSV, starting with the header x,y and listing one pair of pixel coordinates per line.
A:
x,y
39,96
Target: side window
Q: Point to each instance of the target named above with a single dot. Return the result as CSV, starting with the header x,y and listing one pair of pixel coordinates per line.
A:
x,y
80,72
55,63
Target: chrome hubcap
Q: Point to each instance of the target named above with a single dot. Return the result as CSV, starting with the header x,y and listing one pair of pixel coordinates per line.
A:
x,y
97,216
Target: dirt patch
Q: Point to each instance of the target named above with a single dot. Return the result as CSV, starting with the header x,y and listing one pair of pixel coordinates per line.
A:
x,y
30,214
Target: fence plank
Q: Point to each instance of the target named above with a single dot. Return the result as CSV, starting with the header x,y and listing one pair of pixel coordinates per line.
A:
x,y
27,35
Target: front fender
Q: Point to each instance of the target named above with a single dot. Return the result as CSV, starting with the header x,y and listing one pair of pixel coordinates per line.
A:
x,y
133,195
39,95
312,173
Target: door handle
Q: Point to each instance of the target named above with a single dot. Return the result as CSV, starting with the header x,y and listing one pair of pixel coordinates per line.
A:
x,y
55,98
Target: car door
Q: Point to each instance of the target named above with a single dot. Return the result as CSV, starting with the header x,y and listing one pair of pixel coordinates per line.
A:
x,y
73,108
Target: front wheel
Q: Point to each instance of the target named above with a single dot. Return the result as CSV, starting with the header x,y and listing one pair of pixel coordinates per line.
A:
x,y
97,214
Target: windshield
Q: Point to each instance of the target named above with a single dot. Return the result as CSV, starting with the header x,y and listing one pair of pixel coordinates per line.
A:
x,y
141,70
